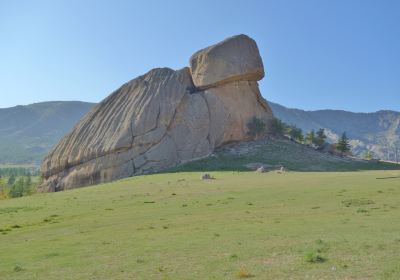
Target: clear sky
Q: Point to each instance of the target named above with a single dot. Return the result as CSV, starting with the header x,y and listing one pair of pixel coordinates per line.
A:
x,y
341,54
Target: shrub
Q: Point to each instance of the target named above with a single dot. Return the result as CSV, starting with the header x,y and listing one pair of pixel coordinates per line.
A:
x,y
313,257
17,268
256,127
244,273
278,126
17,190
295,133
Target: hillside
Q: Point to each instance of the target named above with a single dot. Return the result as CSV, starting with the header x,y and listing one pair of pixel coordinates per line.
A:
x,y
378,131
27,133
274,153
297,225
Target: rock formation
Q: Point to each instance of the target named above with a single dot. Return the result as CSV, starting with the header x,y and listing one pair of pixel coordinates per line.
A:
x,y
163,118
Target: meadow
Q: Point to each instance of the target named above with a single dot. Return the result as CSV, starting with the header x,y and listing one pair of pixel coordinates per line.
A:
x,y
296,225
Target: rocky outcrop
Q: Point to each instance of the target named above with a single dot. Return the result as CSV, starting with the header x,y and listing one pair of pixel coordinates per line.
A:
x,y
234,59
163,118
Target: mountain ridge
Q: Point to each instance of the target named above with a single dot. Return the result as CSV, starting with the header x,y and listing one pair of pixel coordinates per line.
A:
x,y
377,131
28,132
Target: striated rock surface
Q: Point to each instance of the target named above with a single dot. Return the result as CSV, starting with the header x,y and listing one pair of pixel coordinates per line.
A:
x,y
162,118
234,59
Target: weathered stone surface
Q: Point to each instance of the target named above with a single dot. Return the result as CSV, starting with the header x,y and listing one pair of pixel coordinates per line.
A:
x,y
232,106
234,59
157,121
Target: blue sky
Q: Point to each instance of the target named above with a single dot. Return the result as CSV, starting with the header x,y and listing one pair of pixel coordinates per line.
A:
x,y
317,53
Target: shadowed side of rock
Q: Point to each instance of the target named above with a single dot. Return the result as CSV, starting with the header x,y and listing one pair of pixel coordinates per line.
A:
x,y
159,120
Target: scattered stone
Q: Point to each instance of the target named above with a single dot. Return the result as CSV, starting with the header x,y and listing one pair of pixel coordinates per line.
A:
x,y
281,170
256,165
261,169
206,176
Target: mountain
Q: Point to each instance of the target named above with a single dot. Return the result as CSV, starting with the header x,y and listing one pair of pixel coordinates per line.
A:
x,y
27,133
378,131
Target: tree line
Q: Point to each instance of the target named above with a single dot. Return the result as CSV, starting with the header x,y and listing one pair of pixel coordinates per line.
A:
x,y
313,138
16,182
18,171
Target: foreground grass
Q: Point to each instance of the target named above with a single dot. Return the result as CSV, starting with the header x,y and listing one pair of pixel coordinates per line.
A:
x,y
240,225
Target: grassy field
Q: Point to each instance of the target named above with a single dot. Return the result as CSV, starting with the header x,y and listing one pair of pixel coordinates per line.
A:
x,y
310,225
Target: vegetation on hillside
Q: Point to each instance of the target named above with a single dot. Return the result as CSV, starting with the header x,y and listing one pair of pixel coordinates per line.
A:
x,y
343,145
256,127
294,133
378,132
27,133
277,152
18,181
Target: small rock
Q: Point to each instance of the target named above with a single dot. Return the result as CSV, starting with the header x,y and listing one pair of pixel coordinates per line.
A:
x,y
206,176
256,165
261,169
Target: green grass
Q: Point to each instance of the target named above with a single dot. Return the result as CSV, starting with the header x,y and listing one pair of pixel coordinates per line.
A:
x,y
240,225
283,152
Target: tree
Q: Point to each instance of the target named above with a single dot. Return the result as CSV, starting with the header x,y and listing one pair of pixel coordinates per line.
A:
x,y
295,133
278,126
18,189
343,144
396,150
256,127
28,180
310,137
300,137
368,155
3,187
320,139
11,180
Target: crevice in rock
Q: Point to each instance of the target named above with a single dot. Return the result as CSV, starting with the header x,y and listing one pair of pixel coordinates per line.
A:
x,y
132,140
236,78
209,118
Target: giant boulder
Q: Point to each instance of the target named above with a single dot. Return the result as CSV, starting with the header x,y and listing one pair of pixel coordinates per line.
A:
x,y
163,118
234,59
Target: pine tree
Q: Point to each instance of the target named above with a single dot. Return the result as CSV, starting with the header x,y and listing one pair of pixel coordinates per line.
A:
x,y
3,187
278,126
296,133
28,180
17,190
310,137
368,155
343,144
11,180
320,139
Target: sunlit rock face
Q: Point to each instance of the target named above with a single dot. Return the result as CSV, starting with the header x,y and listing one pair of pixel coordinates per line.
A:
x,y
163,118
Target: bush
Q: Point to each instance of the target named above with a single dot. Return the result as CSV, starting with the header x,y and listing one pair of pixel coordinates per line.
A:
x,y
278,126
313,257
295,133
256,127
20,188
16,190
244,273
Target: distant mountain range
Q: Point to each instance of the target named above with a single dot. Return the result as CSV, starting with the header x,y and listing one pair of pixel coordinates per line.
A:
x,y
378,131
27,133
